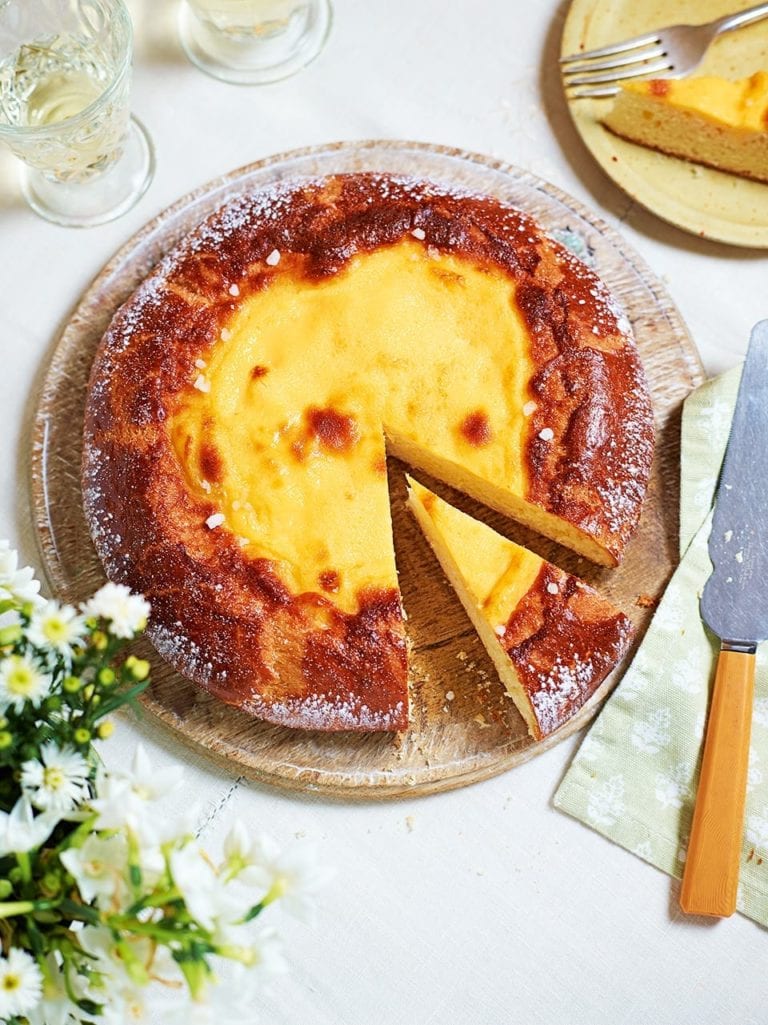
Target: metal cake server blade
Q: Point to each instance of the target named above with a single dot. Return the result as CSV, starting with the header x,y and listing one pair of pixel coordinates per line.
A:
x,y
734,605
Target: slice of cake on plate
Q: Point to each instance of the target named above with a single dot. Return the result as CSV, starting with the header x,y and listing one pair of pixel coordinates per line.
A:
x,y
552,638
707,120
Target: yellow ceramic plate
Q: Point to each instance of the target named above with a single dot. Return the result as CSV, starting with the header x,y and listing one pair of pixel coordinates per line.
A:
x,y
707,203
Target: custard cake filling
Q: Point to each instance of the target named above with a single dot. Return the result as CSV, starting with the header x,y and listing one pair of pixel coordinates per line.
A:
x,y
430,350
552,638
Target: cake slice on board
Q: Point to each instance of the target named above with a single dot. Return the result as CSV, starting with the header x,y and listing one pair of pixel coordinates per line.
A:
x,y
707,120
552,638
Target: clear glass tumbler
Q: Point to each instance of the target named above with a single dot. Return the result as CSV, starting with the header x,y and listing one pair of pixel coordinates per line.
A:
x,y
252,42
65,78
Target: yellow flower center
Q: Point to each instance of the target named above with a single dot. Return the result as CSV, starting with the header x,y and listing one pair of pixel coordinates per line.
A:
x,y
53,778
21,680
56,630
11,982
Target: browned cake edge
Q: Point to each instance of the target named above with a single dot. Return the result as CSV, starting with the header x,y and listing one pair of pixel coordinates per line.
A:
x,y
563,639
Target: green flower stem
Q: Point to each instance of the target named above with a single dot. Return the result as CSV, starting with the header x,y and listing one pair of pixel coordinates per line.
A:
x,y
133,966
22,860
196,972
123,698
157,900
275,892
245,955
9,909
153,930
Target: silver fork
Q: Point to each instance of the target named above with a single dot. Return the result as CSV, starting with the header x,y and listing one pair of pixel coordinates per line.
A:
x,y
673,51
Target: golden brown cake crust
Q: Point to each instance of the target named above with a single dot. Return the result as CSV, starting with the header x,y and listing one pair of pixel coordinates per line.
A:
x,y
226,620
563,640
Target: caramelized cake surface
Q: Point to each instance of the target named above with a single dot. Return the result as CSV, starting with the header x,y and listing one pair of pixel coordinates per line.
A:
x,y
552,638
241,401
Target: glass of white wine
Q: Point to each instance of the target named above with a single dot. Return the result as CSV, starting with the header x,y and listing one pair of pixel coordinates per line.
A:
x,y
65,78
252,42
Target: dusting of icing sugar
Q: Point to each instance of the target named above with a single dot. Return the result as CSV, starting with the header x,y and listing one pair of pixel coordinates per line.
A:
x,y
561,688
318,710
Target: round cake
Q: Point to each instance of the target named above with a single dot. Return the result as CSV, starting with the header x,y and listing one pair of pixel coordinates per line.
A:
x,y
243,400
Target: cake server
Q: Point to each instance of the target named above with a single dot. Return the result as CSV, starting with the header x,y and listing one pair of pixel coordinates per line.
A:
x,y
734,605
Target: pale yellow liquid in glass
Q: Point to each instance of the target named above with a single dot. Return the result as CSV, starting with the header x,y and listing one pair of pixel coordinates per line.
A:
x,y
47,83
254,17
61,95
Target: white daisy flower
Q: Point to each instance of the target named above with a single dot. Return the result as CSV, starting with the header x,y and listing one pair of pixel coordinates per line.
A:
x,y
21,830
98,867
21,984
292,876
56,626
59,781
19,584
126,613
20,681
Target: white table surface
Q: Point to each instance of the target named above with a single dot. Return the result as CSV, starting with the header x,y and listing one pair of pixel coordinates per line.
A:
x,y
483,905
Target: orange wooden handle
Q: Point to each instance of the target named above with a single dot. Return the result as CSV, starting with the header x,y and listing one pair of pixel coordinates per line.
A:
x,y
711,875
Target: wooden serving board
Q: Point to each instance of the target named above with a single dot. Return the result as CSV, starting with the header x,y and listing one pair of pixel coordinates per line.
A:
x,y
463,727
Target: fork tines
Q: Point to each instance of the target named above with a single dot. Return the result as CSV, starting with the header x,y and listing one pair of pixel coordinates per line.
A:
x,y
630,58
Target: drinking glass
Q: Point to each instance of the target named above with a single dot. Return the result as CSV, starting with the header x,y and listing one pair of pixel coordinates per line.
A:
x,y
65,77
251,42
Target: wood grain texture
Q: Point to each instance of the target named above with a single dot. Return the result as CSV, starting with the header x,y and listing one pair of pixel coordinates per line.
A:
x,y
463,727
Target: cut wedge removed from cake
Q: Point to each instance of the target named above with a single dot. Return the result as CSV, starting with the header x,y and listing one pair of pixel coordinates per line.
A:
x,y
552,638
707,120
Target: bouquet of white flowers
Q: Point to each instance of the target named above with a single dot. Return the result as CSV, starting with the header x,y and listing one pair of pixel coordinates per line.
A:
x,y
103,900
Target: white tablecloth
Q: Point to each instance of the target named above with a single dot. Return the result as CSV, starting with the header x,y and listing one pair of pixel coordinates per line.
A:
x,y
483,906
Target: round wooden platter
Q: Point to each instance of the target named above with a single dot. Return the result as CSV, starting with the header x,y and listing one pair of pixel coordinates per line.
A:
x,y
705,202
463,727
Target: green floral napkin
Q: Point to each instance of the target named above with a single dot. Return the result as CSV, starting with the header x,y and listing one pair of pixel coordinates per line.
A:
x,y
634,777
